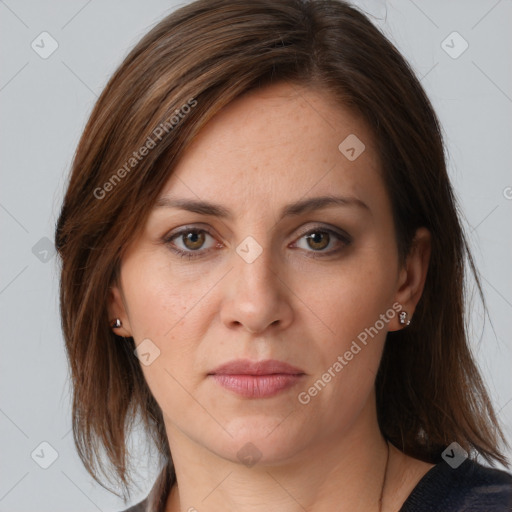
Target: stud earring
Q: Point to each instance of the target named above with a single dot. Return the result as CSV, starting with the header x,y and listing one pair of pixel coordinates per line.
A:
x,y
116,324
403,318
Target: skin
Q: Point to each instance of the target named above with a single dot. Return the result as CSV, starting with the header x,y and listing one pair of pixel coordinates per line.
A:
x,y
263,151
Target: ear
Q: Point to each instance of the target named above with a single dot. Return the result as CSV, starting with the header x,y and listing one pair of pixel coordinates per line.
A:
x,y
117,309
412,276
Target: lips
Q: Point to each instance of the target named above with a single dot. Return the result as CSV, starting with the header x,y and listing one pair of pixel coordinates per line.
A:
x,y
260,379
247,367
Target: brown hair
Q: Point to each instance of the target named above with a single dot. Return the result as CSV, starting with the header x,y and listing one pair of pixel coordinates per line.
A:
x,y
206,54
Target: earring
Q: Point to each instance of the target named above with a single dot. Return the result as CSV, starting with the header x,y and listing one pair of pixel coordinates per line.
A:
x,y
116,324
403,318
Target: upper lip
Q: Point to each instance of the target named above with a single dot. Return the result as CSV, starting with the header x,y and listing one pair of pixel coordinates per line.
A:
x,y
248,367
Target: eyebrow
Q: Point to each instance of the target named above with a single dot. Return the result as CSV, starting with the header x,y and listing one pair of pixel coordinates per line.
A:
x,y
292,209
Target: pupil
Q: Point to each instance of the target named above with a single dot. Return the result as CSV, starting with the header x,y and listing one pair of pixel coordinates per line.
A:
x,y
193,240
316,238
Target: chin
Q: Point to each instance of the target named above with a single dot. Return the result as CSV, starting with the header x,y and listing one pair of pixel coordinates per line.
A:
x,y
259,440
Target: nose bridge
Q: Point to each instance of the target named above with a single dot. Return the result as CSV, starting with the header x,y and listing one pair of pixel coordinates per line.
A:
x,y
255,263
256,298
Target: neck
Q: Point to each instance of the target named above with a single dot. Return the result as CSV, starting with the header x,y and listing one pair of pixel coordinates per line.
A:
x,y
343,471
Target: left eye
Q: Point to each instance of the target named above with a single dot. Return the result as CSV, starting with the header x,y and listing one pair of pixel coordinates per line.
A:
x,y
320,239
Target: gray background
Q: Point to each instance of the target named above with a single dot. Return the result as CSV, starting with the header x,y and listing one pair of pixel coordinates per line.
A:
x,y
44,106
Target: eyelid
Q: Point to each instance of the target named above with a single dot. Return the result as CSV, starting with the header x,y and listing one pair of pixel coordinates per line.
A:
x,y
329,229
186,228
169,237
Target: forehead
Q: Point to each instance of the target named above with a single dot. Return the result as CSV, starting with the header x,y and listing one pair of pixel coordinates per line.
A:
x,y
284,140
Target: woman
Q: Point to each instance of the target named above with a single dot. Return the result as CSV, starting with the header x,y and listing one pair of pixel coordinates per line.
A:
x,y
262,259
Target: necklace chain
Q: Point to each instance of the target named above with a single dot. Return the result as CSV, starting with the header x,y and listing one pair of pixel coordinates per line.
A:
x,y
384,478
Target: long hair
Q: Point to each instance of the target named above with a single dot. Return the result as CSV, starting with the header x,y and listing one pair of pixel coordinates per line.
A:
x,y
204,55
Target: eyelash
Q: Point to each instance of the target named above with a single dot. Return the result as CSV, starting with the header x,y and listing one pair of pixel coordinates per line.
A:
x,y
344,238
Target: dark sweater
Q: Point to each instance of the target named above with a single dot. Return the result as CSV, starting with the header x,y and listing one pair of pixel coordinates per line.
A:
x,y
469,488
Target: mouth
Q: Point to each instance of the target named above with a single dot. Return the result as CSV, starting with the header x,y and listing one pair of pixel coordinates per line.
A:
x,y
260,379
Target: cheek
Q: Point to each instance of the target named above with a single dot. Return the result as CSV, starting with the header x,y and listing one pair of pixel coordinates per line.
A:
x,y
159,314
349,297
350,300
156,310
348,355
157,298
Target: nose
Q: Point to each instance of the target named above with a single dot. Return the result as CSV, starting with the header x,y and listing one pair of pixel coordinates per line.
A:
x,y
256,296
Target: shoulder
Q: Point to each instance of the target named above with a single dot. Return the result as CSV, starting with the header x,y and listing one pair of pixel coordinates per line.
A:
x,y
470,487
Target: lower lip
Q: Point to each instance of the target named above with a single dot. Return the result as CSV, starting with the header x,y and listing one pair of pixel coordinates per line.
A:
x,y
258,386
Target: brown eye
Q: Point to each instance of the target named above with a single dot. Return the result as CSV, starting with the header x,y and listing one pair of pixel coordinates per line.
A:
x,y
193,240
190,242
318,240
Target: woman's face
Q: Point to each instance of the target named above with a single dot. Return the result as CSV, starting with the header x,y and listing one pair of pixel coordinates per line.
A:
x,y
314,287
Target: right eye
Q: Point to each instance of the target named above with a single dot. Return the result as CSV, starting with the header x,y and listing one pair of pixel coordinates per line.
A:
x,y
188,242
